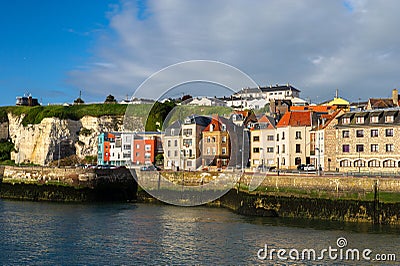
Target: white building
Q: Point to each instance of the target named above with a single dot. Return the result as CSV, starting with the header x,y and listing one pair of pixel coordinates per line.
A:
x,y
205,101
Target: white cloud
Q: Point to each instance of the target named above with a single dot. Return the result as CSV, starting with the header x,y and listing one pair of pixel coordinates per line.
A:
x,y
315,45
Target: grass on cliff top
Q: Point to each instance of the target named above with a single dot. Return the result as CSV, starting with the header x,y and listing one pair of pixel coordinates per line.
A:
x,y
34,115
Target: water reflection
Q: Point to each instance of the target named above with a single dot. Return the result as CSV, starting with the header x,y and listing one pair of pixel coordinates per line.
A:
x,y
138,234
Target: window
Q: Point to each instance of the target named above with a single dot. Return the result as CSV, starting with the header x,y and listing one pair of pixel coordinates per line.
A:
x,y
223,150
270,149
389,163
374,119
345,163
283,148
346,148
360,133
298,148
374,148
187,142
169,144
374,133
256,150
359,163
283,161
298,134
389,148
147,147
345,133
169,153
213,139
270,137
283,135
277,136
223,127
214,151
189,163
389,132
374,163
360,148
208,139
389,119
277,149
359,120
256,138
187,132
175,153
223,139
346,120
176,143
208,150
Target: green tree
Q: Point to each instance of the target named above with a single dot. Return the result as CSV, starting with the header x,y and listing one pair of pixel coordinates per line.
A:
x,y
79,101
159,159
157,115
6,148
110,99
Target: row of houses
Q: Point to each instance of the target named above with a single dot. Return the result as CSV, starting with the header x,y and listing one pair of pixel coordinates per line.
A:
x,y
128,148
330,136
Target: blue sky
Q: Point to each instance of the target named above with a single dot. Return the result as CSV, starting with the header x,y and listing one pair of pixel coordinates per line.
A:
x,y
54,49
42,41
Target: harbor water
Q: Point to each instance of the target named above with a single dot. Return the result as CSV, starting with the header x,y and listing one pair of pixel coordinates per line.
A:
x,y
41,233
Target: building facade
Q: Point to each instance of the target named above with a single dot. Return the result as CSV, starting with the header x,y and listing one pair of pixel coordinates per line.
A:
x,y
262,143
192,129
172,146
127,148
215,144
323,142
368,141
293,139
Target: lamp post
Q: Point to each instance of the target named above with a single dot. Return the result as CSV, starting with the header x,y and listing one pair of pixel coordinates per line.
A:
x,y
262,158
244,129
183,174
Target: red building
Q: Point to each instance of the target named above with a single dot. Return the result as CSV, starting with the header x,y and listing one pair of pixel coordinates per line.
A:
x,y
145,149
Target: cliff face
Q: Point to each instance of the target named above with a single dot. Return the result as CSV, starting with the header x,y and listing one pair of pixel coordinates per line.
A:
x,y
42,143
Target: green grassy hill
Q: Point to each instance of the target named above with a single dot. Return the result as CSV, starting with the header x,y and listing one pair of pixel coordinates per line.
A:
x,y
34,115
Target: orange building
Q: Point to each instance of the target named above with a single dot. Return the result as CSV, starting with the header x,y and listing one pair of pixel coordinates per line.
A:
x,y
216,144
144,149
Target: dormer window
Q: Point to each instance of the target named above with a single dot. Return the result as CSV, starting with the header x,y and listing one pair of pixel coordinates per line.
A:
x,y
223,127
172,131
389,119
374,119
346,120
360,120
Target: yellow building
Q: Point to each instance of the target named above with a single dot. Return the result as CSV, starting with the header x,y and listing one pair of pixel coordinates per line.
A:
x,y
216,145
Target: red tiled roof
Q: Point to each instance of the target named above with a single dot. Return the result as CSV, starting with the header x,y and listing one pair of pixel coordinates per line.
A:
x,y
265,119
295,119
215,122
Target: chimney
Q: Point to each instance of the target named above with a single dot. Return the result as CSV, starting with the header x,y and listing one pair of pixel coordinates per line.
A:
x,y
395,97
